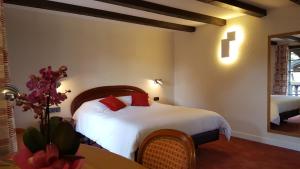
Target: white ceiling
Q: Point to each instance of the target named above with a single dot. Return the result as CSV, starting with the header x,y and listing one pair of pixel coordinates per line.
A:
x,y
190,5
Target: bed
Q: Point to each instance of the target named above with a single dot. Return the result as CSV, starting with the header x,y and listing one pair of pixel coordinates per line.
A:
x,y
121,132
283,107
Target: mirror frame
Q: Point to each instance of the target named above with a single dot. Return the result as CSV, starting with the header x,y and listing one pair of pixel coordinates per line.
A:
x,y
270,83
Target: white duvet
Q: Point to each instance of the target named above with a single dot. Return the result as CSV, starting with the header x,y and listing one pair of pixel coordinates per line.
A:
x,y
122,131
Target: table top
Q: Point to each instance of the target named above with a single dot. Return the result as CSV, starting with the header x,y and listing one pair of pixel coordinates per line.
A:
x,y
95,158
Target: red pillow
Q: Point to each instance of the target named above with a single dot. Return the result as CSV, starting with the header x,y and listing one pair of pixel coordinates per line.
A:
x,y
113,103
140,99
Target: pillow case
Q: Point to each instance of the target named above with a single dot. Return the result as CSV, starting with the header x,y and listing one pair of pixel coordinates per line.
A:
x,y
140,99
113,103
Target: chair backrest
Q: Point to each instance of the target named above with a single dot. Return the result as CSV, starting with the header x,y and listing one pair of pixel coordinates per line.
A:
x,y
167,149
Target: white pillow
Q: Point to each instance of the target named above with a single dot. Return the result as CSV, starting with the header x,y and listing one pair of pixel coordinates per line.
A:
x,y
90,106
126,99
95,104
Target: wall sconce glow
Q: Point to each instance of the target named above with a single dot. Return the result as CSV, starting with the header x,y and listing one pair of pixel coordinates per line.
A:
x,y
60,87
155,84
158,82
232,39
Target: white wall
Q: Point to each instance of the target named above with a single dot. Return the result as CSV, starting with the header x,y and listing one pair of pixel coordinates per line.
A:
x,y
237,91
101,52
96,51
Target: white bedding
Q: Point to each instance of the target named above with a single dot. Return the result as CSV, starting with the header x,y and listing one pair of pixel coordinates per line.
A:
x,y
122,131
282,103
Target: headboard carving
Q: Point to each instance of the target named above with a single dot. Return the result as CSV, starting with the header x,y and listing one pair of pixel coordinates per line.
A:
x,y
100,92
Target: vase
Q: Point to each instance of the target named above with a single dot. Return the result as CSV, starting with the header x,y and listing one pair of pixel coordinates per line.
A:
x,y
25,159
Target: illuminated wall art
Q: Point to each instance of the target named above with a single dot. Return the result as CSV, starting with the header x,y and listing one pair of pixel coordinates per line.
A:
x,y
230,44
226,44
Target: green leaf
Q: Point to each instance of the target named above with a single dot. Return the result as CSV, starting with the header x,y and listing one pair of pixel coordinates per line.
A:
x,y
53,123
66,139
34,140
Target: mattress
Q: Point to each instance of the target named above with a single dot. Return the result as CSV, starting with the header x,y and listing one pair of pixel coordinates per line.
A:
x,y
121,132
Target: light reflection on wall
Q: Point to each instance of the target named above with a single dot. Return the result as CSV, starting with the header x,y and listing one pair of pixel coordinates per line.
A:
x,y
62,87
153,89
67,84
234,46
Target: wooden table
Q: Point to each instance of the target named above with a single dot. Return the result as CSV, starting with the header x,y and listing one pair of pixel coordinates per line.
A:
x,y
96,158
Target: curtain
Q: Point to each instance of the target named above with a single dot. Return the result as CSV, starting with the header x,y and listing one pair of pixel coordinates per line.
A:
x,y
281,70
7,130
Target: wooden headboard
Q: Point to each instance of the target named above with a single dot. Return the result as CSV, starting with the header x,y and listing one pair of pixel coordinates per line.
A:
x,y
100,92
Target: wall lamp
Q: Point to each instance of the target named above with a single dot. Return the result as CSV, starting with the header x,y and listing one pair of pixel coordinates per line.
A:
x,y
158,82
10,92
226,44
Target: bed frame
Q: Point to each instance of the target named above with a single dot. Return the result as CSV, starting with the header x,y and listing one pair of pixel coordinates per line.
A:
x,y
287,114
123,90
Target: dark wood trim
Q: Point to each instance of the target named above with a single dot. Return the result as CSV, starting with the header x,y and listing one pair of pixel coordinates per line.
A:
x,y
166,10
282,35
293,38
238,6
269,85
63,7
294,47
273,43
296,1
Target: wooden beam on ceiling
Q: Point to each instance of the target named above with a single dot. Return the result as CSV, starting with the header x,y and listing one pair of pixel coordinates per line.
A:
x,y
166,10
296,1
80,10
293,38
238,6
294,47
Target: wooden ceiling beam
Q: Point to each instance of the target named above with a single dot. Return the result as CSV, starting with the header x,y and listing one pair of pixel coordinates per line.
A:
x,y
80,10
238,6
296,1
293,38
166,10
294,47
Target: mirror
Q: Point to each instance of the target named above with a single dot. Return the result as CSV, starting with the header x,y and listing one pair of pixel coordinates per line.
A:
x,y
284,84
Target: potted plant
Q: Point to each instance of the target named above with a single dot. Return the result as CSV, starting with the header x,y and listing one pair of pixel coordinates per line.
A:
x,y
55,144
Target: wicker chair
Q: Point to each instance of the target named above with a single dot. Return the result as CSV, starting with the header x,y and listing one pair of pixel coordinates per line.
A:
x,y
167,149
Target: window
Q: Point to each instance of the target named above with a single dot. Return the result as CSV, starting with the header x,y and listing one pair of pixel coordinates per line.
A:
x,y
294,73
